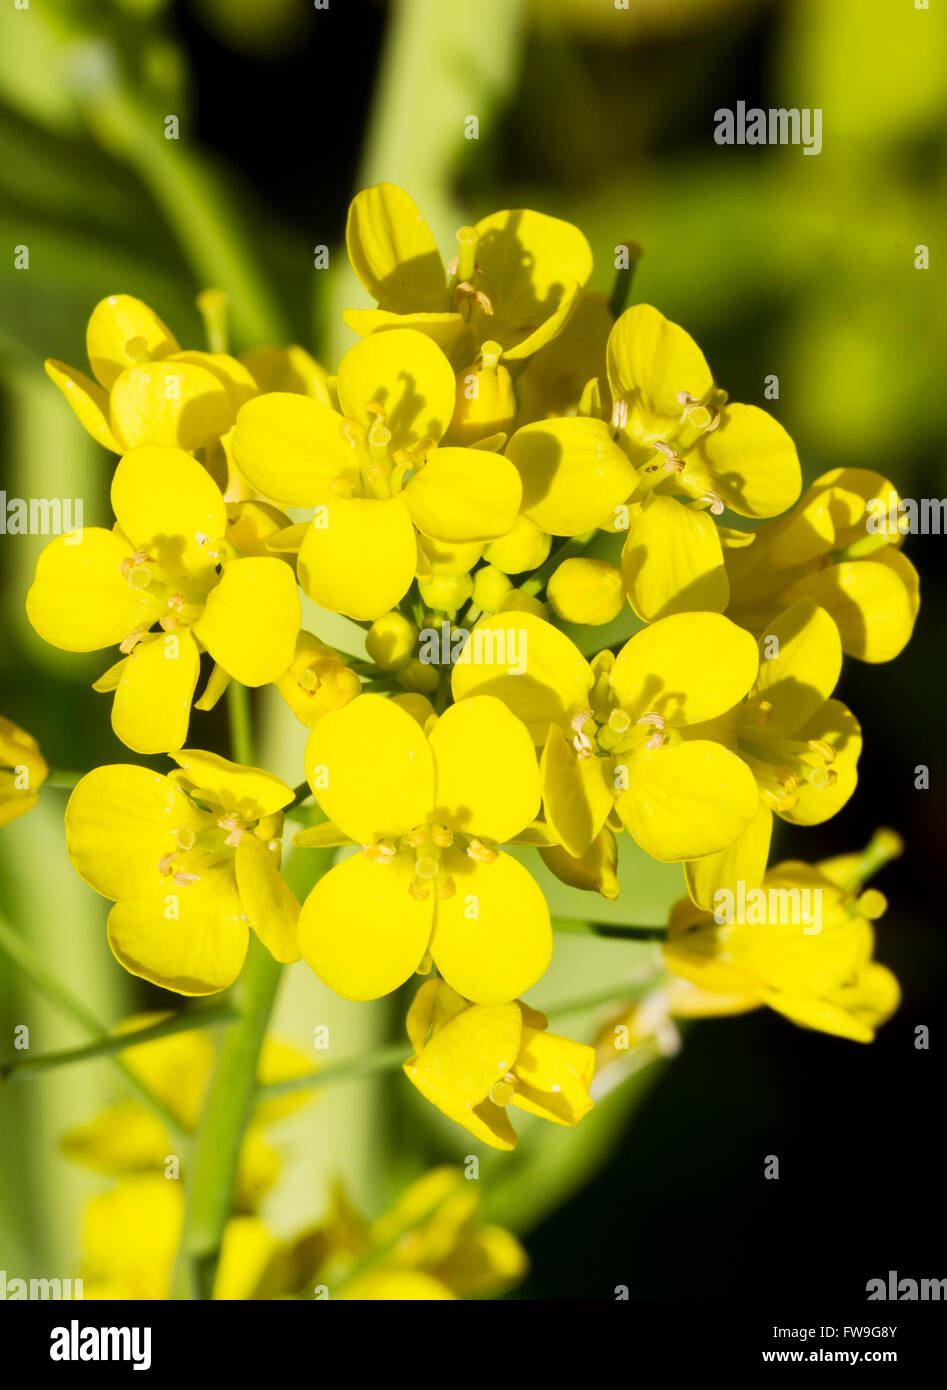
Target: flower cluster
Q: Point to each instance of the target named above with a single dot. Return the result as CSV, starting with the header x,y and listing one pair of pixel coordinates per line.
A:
x,y
500,467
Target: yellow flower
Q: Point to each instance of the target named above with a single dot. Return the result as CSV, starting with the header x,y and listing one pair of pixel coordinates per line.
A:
x,y
127,1137
517,277
429,808
611,731
556,376
191,862
825,551
432,1245
373,473
164,585
685,441
474,1060
819,973
146,390
317,681
801,745
23,770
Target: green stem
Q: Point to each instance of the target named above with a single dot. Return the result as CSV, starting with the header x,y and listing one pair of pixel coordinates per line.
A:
x,y
230,1101
241,726
622,933
61,780
23,1067
52,988
883,846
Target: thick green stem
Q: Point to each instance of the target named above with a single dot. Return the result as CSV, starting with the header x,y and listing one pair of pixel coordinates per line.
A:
x,y
213,1162
241,726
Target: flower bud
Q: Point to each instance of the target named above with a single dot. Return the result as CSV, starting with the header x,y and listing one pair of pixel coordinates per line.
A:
x,y
490,587
517,602
485,403
523,548
447,593
391,640
317,681
588,591
419,677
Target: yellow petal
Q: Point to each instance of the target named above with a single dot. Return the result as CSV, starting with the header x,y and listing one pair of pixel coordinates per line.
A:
x,y
271,907
80,600
464,495
577,793
289,369
530,665
361,930
553,1076
596,870
533,268
292,449
165,495
749,461
120,822
744,860
464,1058
486,778
672,561
492,939
232,375
574,475
362,562
798,680
169,403
251,619
249,791
371,769
123,330
393,252
152,704
687,668
89,402
406,374
686,801
835,725
874,603
189,938
395,1286
443,329
650,360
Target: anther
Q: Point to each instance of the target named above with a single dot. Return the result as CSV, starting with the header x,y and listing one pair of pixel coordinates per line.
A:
x,y
380,853
714,502
185,879
482,853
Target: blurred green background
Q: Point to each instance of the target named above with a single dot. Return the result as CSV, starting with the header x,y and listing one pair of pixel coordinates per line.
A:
x,y
777,262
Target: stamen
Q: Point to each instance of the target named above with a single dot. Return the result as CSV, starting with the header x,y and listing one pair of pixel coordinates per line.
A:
x,y
465,290
764,711
236,828
482,853
714,502
418,891
705,417
619,415
165,863
502,1092
381,853
446,887
442,837
132,640
377,409
823,747
185,879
